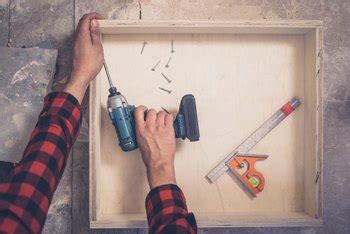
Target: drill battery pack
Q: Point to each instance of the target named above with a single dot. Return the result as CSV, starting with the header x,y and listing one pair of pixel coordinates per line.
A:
x,y
186,121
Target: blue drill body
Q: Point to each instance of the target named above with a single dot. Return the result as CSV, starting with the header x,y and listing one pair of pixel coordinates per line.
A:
x,y
122,116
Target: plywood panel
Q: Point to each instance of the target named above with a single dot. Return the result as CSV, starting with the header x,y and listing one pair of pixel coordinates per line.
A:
x,y
238,81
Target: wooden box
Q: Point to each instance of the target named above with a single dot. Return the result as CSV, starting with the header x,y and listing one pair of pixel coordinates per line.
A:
x,y
240,73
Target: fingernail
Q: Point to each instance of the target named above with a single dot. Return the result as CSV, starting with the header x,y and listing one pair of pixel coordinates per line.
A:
x,y
94,23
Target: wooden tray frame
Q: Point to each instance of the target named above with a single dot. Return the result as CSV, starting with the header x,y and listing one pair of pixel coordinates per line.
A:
x,y
313,32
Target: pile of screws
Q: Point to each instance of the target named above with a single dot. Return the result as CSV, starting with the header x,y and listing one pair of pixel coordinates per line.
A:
x,y
157,64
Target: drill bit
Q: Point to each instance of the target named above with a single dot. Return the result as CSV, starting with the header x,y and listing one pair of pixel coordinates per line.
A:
x,y
112,88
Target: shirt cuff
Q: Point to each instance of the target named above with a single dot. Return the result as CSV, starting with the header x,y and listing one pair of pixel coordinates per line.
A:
x,y
67,107
163,200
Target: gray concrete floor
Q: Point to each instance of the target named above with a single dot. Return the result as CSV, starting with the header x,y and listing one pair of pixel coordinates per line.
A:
x,y
29,22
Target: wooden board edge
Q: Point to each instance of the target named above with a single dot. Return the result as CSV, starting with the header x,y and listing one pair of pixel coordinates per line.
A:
x,y
117,225
312,222
313,63
92,215
319,162
232,23
208,27
93,127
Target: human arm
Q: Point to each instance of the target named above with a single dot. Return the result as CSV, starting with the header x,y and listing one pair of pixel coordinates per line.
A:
x,y
165,204
26,193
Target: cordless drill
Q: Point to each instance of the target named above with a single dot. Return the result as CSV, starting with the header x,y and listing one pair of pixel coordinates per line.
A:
x,y
122,116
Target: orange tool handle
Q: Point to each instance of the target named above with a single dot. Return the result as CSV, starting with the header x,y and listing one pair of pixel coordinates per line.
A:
x,y
253,180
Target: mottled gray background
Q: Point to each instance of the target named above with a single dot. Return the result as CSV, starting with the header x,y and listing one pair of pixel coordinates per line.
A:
x,y
25,75
29,22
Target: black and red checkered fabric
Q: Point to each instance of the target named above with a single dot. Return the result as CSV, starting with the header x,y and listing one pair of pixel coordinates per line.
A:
x,y
26,193
167,211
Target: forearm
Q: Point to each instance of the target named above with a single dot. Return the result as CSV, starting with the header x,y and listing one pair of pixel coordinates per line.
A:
x,y
27,192
160,174
167,211
77,86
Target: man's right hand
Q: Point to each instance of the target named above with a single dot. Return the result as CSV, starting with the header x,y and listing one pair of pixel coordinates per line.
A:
x,y
156,139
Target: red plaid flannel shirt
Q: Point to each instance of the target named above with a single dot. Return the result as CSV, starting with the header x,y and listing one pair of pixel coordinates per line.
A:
x,y
26,193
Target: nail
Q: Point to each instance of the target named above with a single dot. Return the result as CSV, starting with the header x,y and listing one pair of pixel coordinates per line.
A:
x,y
165,77
143,46
172,46
165,110
317,176
94,23
155,66
166,90
167,64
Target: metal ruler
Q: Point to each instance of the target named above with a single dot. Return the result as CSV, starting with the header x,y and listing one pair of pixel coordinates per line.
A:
x,y
254,138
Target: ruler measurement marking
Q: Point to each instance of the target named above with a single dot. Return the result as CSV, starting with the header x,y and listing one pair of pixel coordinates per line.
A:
x,y
252,140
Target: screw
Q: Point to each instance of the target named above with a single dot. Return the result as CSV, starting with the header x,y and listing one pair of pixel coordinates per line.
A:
x,y
167,64
165,110
172,46
166,90
155,66
317,175
143,46
165,77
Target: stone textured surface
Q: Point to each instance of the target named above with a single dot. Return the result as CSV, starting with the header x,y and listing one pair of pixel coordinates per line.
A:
x,y
4,22
110,9
24,78
34,21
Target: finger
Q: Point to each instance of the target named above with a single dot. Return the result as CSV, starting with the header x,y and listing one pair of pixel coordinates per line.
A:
x,y
84,23
151,116
95,32
139,114
160,117
82,19
168,120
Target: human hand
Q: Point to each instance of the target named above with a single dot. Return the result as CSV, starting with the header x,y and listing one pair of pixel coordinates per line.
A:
x,y
156,140
87,55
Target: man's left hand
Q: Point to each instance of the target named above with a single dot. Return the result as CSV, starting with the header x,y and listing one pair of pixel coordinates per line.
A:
x,y
87,55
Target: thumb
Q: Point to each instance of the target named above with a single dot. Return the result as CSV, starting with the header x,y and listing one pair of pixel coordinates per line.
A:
x,y
95,32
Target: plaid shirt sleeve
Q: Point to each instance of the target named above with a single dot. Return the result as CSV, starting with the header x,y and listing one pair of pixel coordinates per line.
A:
x,y
167,211
26,193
